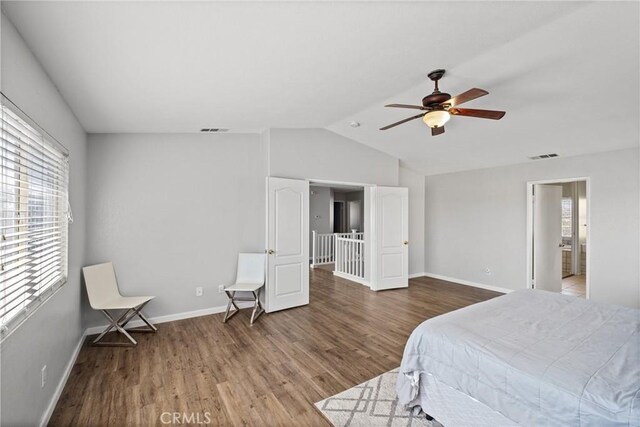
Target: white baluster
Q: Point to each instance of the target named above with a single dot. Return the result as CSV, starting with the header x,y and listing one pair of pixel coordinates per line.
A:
x,y
358,258
332,246
351,257
324,249
346,256
313,247
360,261
324,243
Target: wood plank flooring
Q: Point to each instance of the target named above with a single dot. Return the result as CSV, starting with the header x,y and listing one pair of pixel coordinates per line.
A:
x,y
267,374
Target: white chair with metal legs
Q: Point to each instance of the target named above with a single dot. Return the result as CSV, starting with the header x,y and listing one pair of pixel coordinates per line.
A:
x,y
249,278
102,289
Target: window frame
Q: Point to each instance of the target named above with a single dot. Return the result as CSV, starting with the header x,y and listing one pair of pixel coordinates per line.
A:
x,y
570,200
61,207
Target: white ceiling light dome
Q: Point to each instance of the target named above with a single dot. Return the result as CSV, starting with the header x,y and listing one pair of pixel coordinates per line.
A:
x,y
436,118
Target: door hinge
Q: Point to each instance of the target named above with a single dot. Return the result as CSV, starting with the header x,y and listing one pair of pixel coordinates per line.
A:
x,y
533,284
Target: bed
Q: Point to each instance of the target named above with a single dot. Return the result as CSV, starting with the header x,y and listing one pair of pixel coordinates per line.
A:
x,y
526,358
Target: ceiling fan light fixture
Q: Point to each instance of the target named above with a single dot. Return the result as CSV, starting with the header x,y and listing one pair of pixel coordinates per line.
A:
x,y
436,118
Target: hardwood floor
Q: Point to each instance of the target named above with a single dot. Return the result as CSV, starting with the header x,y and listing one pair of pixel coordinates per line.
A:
x,y
575,285
267,374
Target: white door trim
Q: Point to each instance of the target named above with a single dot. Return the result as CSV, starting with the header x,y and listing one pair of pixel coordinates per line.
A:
x,y
529,228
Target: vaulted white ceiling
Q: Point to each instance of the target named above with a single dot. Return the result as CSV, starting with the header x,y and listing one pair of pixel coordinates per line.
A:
x,y
565,72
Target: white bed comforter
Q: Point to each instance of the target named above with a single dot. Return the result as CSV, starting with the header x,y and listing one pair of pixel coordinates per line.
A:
x,y
538,358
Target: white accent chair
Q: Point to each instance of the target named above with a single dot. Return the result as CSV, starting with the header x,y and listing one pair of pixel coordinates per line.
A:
x,y
249,278
102,289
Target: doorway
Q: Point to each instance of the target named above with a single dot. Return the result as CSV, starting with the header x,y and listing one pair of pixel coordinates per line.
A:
x,y
337,237
557,236
339,216
380,264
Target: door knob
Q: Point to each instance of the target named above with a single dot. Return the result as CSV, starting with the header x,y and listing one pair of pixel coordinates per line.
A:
x,y
270,251
406,242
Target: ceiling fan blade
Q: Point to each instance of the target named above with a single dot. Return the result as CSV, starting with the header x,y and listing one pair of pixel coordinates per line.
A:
x,y
467,96
415,107
437,131
481,114
402,121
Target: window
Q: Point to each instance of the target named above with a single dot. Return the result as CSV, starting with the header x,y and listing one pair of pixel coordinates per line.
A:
x,y
34,217
567,217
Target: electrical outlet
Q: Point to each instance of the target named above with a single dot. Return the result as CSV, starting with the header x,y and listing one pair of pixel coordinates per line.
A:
x,y
43,376
221,288
199,291
487,271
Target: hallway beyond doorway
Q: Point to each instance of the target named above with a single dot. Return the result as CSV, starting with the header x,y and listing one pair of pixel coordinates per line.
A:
x,y
575,285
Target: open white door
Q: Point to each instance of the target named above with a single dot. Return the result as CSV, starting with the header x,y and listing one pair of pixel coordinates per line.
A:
x,y
391,231
547,237
287,244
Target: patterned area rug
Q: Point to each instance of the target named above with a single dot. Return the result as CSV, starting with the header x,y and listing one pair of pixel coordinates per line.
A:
x,y
370,404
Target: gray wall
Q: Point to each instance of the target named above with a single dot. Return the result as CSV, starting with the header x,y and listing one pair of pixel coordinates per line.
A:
x,y
172,211
415,182
51,334
320,154
477,219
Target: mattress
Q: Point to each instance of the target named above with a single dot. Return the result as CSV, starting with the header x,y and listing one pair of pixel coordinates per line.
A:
x,y
535,357
451,407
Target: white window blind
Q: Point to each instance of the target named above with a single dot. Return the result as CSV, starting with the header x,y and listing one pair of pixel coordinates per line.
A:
x,y
567,217
34,218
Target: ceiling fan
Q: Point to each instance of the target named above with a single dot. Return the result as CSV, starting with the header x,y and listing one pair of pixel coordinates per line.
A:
x,y
438,107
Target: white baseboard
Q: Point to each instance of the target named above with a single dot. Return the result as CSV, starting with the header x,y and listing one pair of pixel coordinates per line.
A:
x,y
63,381
171,317
414,275
469,283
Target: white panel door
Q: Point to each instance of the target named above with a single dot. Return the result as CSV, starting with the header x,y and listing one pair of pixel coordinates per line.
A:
x,y
547,237
391,250
287,244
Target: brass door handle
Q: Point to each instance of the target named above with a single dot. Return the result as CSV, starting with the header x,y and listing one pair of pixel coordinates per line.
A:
x,y
406,242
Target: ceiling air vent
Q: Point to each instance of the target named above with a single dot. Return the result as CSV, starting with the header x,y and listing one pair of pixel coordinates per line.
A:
x,y
214,130
544,156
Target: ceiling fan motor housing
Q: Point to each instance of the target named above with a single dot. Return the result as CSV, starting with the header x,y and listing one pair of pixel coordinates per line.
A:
x,y
435,98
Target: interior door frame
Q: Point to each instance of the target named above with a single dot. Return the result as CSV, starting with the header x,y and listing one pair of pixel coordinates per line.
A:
x,y
530,185
366,227
343,215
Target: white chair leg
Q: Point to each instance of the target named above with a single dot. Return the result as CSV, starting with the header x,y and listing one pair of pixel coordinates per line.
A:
x,y
119,325
149,324
137,312
115,324
227,316
257,308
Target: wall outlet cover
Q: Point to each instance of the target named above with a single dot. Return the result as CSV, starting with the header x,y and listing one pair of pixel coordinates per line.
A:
x,y
199,291
221,288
